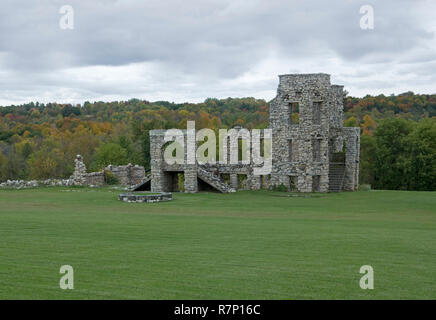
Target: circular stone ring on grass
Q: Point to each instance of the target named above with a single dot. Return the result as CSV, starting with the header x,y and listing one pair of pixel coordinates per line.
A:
x,y
146,197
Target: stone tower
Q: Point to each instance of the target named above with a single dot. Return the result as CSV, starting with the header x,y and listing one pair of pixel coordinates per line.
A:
x,y
306,118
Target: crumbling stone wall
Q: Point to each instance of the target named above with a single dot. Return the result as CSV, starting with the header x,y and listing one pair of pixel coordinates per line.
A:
x,y
128,175
95,178
23,184
81,177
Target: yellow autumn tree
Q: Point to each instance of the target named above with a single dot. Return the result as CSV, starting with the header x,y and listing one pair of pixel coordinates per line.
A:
x,y
368,125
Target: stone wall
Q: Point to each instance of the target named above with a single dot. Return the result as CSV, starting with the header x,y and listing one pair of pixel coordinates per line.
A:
x,y
94,178
128,175
22,184
134,197
81,177
78,178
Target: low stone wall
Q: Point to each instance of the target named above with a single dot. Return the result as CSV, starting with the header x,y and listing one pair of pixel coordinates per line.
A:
x,y
21,184
128,175
94,178
134,197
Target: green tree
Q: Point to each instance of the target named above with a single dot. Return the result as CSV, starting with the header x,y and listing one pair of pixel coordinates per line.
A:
x,y
14,167
133,154
392,162
367,159
3,163
421,145
109,153
46,164
351,122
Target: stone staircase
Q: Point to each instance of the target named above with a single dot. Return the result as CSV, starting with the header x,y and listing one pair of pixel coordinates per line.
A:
x,y
213,180
143,182
336,176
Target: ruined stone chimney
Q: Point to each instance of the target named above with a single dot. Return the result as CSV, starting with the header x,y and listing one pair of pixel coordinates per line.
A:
x,y
79,171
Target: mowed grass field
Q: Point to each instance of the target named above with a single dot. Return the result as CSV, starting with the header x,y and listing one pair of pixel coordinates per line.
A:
x,y
246,245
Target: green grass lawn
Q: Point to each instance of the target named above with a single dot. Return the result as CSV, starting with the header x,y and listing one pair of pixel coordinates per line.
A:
x,y
246,245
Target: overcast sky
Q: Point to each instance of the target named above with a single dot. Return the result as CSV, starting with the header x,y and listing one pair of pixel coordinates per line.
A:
x,y
193,49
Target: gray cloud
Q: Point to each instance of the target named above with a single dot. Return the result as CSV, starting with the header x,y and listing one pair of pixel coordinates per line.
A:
x,y
190,50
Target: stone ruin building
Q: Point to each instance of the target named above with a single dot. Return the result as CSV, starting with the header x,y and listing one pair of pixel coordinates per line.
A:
x,y
311,150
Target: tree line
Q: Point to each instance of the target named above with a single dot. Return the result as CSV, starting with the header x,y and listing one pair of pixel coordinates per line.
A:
x,y
39,141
